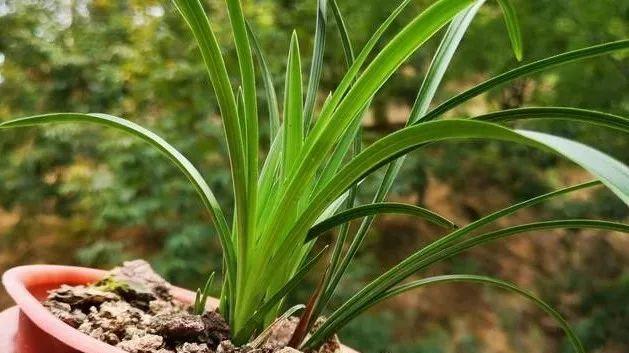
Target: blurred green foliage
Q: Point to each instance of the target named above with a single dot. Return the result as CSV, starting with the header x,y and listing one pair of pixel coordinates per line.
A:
x,y
603,323
136,59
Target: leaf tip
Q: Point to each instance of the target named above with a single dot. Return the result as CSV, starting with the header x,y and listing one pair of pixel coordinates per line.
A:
x,y
519,55
294,41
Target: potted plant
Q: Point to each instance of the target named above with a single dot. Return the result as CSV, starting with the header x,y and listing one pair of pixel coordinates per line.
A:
x,y
308,181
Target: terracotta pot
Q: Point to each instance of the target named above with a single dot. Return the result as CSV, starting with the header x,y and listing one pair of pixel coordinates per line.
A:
x,y
37,330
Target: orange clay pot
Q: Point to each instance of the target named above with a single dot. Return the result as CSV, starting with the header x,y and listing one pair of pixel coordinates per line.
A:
x,y
30,328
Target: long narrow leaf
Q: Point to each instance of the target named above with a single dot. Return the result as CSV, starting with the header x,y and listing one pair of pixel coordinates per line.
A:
x,y
357,64
594,161
559,113
378,208
277,297
247,80
442,243
611,172
525,70
204,191
258,341
269,89
270,171
574,340
249,115
409,39
340,153
317,63
441,60
513,27
343,32
414,263
401,142
293,108
426,93
193,13
381,68
455,236
417,262
329,285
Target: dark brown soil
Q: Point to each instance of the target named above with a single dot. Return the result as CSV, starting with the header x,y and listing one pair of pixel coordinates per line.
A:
x,y
132,309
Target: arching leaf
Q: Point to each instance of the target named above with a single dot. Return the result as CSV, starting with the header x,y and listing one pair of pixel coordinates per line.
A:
x,y
168,150
525,70
378,208
612,173
559,113
380,286
513,27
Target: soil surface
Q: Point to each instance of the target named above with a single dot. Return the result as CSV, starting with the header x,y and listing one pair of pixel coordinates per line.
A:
x,y
132,309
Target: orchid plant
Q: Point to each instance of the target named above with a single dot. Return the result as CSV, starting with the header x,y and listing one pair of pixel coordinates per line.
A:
x,y
306,183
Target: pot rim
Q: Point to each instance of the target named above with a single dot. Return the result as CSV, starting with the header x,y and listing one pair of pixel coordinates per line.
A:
x,y
16,282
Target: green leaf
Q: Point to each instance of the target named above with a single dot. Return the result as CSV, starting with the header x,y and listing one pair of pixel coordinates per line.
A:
x,y
610,171
423,259
525,70
258,341
329,282
269,89
193,175
319,143
248,82
293,108
559,113
486,220
292,144
268,179
378,208
407,41
317,63
249,114
240,108
574,340
425,95
513,27
197,303
455,236
200,300
350,76
571,114
329,285
340,153
206,291
247,75
441,61
194,15
273,300
405,140
377,288
545,225
428,254
343,32
269,173
333,207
